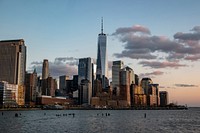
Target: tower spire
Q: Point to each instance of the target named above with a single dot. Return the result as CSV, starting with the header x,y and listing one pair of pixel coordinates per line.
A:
x,y
102,25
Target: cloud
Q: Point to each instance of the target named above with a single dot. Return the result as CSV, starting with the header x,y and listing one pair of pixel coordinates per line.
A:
x,y
196,29
60,66
187,36
157,64
152,74
133,29
146,46
185,85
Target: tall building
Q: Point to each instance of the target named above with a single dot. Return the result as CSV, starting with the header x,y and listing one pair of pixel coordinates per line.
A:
x,y
85,73
102,65
62,83
31,88
45,69
117,66
13,61
126,79
164,98
145,83
13,65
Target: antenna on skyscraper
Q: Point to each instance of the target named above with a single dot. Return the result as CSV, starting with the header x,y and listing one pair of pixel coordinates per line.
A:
x,y
102,25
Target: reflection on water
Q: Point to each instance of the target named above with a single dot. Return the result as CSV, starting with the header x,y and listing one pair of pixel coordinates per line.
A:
x,y
103,121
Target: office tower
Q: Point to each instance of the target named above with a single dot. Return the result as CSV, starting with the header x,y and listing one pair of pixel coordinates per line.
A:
x,y
13,61
102,65
13,65
75,82
85,92
62,83
116,68
157,93
164,98
85,73
31,87
45,69
145,83
126,79
151,96
138,98
136,79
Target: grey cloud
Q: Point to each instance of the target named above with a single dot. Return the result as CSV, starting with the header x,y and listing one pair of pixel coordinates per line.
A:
x,y
193,57
145,47
36,63
196,29
131,54
185,85
156,64
152,74
134,29
187,36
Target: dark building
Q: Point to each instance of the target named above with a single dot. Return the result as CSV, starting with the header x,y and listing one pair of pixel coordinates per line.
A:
x,y
137,79
163,98
13,61
75,83
31,88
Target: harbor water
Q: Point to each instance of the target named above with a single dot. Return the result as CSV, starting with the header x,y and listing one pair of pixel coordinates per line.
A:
x,y
101,121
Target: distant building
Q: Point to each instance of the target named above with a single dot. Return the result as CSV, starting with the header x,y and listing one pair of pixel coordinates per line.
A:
x,y
31,88
137,79
8,94
45,69
84,94
85,73
13,65
63,84
102,64
117,66
145,83
138,98
164,98
126,79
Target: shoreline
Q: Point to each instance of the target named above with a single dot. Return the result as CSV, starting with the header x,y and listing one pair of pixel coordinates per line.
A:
x,y
74,108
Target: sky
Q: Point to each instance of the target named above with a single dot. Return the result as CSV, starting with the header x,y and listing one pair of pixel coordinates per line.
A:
x,y
157,39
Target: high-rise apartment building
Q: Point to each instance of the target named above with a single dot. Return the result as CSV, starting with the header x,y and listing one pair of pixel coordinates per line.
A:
x,y
102,65
45,69
85,73
13,61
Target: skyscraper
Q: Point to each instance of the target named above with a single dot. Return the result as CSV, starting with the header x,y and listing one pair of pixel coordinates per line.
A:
x,y
13,66
126,79
13,61
85,73
117,66
102,65
45,69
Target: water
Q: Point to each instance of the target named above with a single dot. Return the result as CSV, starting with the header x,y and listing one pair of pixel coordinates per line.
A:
x,y
92,121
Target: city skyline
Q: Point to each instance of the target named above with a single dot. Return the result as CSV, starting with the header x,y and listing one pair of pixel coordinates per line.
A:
x,y
49,34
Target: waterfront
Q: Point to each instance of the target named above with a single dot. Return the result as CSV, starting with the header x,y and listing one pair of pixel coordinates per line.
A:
x,y
92,121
